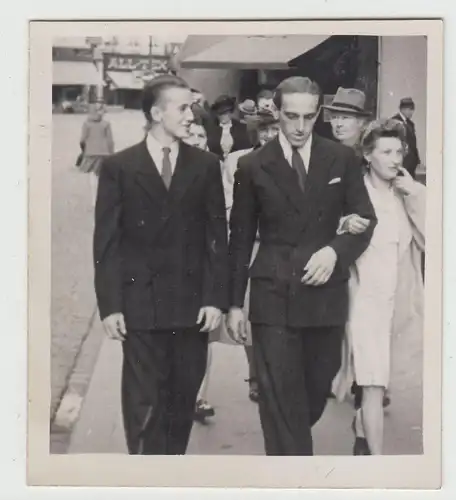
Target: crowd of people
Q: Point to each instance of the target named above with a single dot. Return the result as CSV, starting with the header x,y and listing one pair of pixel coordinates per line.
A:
x,y
238,221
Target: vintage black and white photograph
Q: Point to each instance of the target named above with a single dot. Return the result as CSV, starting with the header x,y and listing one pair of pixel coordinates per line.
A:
x,y
237,256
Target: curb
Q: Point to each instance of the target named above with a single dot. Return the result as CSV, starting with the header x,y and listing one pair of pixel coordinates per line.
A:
x,y
69,408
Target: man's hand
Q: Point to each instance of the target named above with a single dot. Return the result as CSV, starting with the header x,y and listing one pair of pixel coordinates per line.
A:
x,y
404,183
355,224
236,325
114,326
320,267
211,317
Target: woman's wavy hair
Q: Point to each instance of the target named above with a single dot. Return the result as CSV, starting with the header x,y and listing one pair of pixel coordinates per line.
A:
x,y
385,127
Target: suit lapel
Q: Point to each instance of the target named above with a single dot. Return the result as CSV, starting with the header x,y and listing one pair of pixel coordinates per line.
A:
x,y
148,176
317,176
286,179
185,173
276,165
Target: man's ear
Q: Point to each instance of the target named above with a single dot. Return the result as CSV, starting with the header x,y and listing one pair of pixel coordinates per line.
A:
x,y
155,113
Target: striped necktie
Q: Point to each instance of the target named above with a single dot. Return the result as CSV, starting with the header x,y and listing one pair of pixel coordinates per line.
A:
x,y
167,172
298,166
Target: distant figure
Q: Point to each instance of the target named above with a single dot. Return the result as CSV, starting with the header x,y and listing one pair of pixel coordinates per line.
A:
x,y
265,101
348,117
412,158
96,143
228,134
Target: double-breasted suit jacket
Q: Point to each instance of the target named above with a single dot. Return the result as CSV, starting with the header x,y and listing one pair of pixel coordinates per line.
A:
x,y
292,226
160,255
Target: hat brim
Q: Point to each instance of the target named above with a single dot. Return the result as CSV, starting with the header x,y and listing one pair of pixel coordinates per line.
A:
x,y
223,107
347,111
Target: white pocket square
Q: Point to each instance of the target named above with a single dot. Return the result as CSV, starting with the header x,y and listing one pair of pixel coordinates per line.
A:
x,y
336,180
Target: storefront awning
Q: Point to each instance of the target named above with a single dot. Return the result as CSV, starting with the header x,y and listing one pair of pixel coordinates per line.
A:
x,y
74,73
253,52
126,80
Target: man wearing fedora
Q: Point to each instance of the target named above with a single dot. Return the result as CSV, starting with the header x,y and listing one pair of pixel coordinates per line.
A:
x,y
293,191
348,116
412,158
228,134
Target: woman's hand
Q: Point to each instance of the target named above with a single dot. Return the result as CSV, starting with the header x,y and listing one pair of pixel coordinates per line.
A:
x,y
404,184
355,224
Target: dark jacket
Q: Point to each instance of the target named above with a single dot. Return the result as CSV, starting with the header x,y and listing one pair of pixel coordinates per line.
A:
x,y
412,158
292,226
160,255
239,132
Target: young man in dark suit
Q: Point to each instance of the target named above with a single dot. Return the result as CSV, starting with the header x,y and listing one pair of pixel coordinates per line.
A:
x,y
161,262
412,158
294,190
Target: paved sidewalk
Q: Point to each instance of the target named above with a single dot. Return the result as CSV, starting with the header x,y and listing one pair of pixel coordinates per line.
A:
x,y
236,427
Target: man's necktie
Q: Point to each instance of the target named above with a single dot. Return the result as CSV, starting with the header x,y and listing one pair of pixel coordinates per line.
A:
x,y
167,173
298,165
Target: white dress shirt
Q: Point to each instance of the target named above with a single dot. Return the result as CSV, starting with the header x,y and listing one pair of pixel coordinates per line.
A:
x,y
304,151
156,152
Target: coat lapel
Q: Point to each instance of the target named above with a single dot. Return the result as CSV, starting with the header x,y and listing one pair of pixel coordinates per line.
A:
x,y
276,165
317,176
186,172
148,176
286,179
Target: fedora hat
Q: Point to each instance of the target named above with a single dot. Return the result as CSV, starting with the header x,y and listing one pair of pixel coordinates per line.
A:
x,y
407,102
350,101
265,118
248,107
223,104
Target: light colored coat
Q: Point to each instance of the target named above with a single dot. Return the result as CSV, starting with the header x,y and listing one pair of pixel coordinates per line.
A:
x,y
409,296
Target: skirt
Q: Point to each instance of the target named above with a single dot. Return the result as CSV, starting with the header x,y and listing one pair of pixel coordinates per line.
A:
x,y
91,164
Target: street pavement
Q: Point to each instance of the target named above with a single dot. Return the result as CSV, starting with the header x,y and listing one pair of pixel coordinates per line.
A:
x,y
73,297
235,429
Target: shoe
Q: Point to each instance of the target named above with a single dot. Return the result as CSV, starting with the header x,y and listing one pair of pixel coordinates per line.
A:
x,y
253,390
361,447
203,410
386,400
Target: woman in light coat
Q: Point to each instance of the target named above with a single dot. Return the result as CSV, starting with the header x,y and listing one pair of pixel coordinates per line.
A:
x,y
386,285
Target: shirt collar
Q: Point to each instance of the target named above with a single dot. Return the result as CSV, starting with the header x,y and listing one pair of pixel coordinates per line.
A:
x,y
154,146
287,149
402,116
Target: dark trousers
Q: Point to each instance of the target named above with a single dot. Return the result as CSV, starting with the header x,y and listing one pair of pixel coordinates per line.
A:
x,y
295,369
161,375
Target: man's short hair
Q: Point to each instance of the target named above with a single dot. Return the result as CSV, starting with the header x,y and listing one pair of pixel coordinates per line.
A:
x,y
297,85
155,87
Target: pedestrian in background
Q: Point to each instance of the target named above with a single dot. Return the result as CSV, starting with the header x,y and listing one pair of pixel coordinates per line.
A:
x,y
386,288
228,133
265,126
412,156
197,137
96,143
